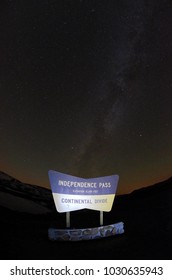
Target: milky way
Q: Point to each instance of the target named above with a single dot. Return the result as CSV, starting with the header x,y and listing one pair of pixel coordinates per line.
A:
x,y
85,89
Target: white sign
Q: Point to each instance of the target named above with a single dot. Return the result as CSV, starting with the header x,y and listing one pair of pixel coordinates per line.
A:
x,y
72,193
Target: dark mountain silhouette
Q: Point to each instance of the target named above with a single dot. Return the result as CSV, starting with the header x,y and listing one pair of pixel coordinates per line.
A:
x,y
22,197
28,211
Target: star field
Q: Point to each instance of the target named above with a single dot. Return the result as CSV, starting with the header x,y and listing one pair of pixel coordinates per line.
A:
x,y
85,89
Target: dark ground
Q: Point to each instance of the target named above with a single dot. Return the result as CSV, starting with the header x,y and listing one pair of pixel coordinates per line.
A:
x,y
147,217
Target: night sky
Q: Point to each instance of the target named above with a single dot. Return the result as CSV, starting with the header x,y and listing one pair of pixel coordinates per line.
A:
x,y
86,89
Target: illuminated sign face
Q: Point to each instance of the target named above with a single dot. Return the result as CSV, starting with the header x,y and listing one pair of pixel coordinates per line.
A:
x,y
72,193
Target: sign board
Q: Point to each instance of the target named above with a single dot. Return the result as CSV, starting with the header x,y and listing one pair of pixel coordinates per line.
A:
x,y
72,193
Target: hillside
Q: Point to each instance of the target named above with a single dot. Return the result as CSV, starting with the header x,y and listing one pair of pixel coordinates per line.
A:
x,y
24,198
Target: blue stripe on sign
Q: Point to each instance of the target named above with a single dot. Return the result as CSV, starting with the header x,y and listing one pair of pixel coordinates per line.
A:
x,y
66,184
